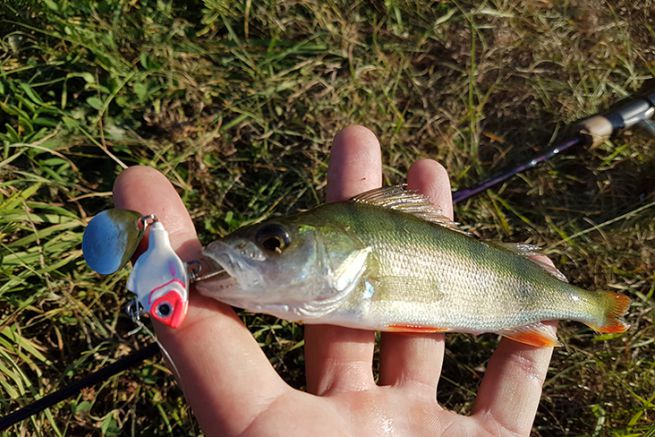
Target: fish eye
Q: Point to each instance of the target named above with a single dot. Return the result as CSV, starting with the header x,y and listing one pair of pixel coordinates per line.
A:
x,y
272,237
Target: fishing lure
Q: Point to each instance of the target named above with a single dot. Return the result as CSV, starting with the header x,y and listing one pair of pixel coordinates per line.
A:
x,y
159,278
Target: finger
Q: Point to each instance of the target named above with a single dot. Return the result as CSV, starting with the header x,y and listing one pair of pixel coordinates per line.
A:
x,y
431,179
224,374
336,358
511,388
417,358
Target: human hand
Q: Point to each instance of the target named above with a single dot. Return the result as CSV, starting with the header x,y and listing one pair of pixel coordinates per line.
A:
x,y
233,389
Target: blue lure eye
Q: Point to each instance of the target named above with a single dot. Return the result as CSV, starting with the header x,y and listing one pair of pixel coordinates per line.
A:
x,y
273,237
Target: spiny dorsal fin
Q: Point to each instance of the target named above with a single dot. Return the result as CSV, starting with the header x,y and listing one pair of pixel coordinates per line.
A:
x,y
530,251
399,198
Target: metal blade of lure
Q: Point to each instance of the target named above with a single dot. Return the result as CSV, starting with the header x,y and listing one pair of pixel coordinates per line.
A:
x,y
111,238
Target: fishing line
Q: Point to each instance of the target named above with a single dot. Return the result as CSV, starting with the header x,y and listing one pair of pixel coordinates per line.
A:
x,y
637,111
167,357
135,315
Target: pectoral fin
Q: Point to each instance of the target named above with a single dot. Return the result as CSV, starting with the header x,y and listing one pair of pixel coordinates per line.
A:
x,y
537,334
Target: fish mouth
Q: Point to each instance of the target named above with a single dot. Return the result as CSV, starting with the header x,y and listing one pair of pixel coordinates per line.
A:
x,y
210,269
224,271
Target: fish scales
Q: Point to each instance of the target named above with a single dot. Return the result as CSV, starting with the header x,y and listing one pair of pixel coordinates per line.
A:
x,y
454,276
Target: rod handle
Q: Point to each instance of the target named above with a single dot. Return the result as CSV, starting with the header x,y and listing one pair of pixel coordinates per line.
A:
x,y
598,128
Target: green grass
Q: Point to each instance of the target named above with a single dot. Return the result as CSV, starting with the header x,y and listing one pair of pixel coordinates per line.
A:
x,y
238,103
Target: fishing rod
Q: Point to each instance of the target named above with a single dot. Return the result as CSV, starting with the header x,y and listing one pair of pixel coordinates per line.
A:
x,y
592,131
636,111
70,390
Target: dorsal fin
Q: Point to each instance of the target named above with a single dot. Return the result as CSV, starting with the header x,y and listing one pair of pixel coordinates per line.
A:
x,y
530,251
550,269
399,198
524,249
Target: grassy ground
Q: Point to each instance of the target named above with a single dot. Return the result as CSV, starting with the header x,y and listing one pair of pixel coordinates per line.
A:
x,y
238,103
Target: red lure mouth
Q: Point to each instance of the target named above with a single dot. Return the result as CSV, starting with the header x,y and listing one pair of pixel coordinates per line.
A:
x,y
169,309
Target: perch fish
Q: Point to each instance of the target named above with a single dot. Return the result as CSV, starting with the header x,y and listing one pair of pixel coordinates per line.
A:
x,y
388,260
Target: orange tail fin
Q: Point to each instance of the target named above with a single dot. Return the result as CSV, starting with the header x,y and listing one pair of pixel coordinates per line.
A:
x,y
616,305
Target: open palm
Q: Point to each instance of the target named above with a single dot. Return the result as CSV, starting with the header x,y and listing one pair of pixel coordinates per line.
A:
x,y
233,389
